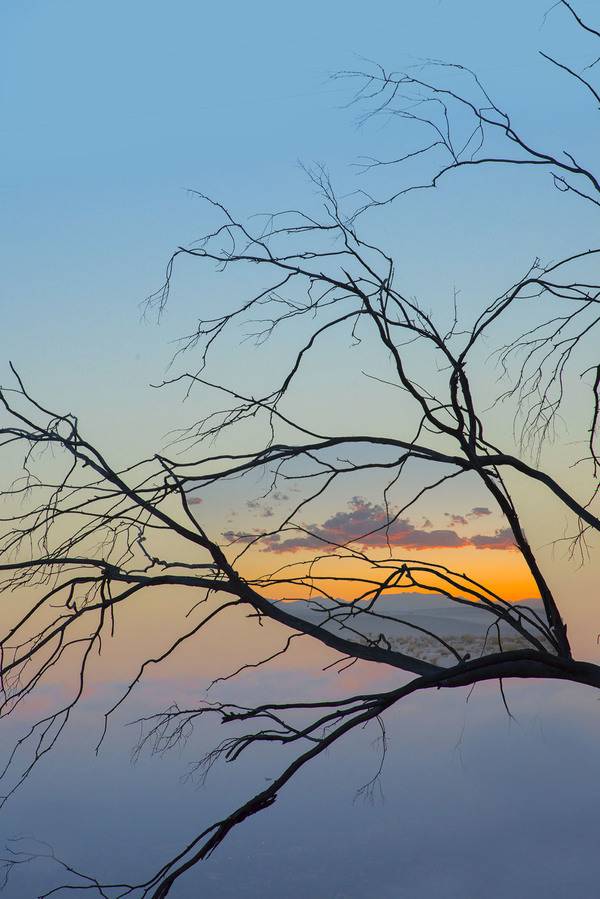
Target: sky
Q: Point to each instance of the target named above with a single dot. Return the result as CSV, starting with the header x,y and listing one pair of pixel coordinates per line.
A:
x,y
111,114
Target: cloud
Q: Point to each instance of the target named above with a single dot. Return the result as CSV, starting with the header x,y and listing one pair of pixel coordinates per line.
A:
x,y
502,539
293,544
367,525
194,500
363,523
257,505
479,512
239,537
456,519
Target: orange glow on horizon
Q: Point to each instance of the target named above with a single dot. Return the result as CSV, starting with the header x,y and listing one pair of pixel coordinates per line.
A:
x,y
503,572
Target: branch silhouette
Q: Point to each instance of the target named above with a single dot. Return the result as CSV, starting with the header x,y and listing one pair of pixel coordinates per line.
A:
x,y
82,537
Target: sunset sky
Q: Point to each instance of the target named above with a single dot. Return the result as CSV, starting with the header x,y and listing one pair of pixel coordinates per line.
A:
x,y
116,115
112,112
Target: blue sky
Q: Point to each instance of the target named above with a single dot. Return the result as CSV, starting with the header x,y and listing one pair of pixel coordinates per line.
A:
x,y
112,110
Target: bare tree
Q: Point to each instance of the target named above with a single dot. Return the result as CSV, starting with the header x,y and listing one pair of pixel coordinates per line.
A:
x,y
83,537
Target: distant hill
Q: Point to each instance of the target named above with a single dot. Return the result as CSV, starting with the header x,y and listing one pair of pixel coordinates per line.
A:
x,y
403,618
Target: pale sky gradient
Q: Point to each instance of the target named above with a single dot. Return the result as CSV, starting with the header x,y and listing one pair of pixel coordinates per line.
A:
x,y
111,111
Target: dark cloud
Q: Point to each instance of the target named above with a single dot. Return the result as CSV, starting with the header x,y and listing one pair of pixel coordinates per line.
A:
x,y
258,506
194,500
294,544
367,524
479,512
456,519
502,539
239,537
